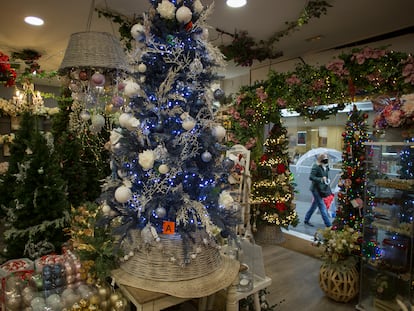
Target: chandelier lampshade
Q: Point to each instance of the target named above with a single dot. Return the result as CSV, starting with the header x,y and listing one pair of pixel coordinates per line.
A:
x,y
90,49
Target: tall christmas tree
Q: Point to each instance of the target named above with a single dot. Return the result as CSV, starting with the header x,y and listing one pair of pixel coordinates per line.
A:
x,y
169,179
37,206
352,181
273,187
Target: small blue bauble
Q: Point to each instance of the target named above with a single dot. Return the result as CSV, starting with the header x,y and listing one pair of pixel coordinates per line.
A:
x,y
47,284
47,272
59,282
57,270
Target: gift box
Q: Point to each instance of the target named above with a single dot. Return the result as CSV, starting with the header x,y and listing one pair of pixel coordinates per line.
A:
x,y
50,259
73,267
15,274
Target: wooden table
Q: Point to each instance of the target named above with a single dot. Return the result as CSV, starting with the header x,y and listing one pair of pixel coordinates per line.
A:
x,y
145,300
149,301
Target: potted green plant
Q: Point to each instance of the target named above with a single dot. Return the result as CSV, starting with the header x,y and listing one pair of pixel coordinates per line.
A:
x,y
338,275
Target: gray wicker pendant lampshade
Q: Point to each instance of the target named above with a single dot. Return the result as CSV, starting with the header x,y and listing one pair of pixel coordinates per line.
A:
x,y
90,49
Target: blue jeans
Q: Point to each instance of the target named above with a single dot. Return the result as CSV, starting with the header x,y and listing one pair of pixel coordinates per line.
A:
x,y
318,202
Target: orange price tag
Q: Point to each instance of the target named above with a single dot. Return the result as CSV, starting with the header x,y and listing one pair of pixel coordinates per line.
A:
x,y
168,227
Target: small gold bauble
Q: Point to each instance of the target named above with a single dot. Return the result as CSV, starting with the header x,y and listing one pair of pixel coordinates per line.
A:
x,y
114,298
95,300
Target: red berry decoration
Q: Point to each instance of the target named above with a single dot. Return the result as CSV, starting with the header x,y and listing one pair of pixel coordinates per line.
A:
x,y
343,134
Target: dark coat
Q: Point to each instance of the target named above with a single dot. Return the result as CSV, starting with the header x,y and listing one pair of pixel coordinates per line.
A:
x,y
316,177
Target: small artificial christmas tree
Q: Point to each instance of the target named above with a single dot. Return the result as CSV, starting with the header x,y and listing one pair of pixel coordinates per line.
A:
x,y
351,184
166,200
37,206
273,187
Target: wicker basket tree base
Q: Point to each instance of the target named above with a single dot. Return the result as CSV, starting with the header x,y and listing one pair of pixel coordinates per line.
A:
x,y
339,283
269,235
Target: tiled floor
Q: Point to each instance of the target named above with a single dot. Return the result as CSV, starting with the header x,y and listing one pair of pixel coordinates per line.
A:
x,y
316,219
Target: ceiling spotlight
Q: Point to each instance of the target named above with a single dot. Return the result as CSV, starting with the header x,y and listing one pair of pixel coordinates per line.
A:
x,y
236,3
33,20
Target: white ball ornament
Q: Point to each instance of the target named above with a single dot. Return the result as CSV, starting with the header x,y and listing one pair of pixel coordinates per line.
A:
x,y
183,15
132,123
37,303
160,212
163,169
188,123
131,89
54,301
124,119
142,68
106,209
123,194
206,156
219,132
98,121
85,115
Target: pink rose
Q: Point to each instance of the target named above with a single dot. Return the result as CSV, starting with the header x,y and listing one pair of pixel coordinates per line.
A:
x,y
292,80
281,102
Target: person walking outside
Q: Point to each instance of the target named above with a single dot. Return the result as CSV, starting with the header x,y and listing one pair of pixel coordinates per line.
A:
x,y
320,188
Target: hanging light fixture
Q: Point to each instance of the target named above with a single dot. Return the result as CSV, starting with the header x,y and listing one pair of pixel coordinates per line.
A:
x,y
236,3
94,65
93,50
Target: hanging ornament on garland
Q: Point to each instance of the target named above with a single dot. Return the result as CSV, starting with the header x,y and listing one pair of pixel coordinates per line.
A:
x,y
98,79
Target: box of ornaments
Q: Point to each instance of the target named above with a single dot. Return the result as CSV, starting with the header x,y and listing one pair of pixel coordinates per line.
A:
x,y
53,283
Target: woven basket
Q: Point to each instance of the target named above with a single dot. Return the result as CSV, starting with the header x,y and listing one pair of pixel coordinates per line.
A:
x,y
338,282
154,262
268,234
93,50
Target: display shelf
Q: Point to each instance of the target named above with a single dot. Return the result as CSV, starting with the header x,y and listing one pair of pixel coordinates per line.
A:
x,y
388,235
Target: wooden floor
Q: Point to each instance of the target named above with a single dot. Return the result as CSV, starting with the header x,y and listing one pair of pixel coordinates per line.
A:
x,y
295,281
294,269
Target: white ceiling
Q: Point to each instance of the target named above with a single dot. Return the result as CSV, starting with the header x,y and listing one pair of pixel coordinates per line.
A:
x,y
347,21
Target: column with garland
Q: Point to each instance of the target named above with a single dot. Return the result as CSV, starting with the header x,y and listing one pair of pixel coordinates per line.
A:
x,y
169,181
351,184
273,184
